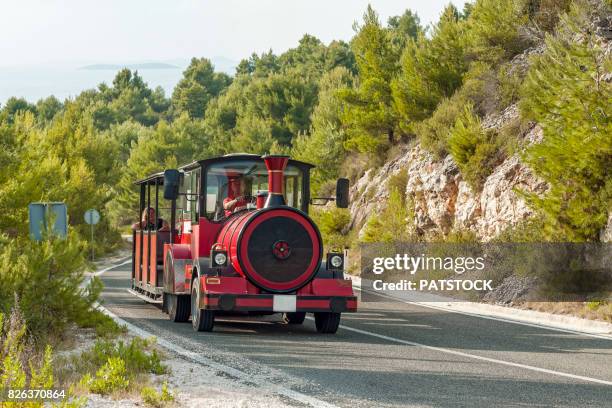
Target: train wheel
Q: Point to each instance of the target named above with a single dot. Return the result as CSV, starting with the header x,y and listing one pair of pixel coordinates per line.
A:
x,y
294,317
165,302
201,319
178,308
327,322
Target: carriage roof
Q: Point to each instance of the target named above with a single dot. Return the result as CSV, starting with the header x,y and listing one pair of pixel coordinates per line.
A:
x,y
158,178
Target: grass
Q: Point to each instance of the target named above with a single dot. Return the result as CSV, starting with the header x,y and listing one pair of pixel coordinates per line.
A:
x,y
104,326
595,310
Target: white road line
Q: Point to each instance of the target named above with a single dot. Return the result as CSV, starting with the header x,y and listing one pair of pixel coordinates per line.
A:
x,y
488,317
262,384
474,356
108,268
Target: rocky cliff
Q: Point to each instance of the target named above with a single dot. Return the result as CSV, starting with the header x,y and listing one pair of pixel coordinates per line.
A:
x,y
442,201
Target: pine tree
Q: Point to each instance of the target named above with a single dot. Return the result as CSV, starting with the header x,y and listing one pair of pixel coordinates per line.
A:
x,y
431,69
567,94
370,118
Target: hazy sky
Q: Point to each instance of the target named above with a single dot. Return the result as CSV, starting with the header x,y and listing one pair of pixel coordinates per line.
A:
x,y
123,31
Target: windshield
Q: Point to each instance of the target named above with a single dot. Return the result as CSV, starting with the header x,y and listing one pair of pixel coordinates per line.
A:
x,y
233,186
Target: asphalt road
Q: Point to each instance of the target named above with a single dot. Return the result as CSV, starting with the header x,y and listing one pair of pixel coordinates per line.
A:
x,y
395,354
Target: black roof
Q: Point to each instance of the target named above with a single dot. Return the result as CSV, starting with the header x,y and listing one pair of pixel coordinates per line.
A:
x,y
151,179
212,160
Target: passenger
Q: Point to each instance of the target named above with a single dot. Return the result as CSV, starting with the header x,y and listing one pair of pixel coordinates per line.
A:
x,y
149,214
236,200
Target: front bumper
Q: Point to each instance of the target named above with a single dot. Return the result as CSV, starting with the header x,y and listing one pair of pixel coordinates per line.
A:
x,y
265,303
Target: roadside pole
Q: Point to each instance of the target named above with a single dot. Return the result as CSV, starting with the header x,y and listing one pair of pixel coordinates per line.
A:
x,y
92,217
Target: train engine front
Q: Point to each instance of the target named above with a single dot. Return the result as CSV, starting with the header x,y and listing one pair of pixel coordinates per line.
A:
x,y
254,249
276,247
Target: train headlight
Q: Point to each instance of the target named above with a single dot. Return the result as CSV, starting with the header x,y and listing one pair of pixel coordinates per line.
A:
x,y
218,258
335,261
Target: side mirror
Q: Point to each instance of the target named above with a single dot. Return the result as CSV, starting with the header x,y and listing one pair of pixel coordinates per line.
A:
x,y
342,193
172,179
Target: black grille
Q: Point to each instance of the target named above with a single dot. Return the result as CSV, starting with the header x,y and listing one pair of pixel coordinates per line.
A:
x,y
261,249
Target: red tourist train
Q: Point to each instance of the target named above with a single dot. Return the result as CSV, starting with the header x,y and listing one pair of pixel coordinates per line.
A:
x,y
237,238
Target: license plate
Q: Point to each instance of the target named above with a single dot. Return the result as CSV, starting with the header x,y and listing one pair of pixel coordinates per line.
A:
x,y
284,303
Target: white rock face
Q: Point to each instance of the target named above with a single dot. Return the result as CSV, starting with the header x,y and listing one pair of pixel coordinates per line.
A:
x,y
500,206
443,201
370,193
432,187
468,210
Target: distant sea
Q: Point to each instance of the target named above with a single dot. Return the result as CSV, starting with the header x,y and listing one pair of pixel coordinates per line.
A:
x,y
34,83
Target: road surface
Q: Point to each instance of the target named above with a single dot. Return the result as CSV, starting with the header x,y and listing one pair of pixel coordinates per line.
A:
x,y
395,354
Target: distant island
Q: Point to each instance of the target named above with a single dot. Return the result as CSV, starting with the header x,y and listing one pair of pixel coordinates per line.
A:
x,y
115,67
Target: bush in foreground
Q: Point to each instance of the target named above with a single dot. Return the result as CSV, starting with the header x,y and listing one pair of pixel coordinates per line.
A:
x,y
47,277
23,366
152,397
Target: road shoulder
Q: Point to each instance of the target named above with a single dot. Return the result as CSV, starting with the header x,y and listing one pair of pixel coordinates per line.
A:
x,y
509,314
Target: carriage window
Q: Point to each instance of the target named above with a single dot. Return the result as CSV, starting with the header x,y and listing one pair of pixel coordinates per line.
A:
x,y
293,189
189,203
242,180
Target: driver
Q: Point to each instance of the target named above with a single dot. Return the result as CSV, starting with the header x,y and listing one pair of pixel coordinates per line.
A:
x,y
236,199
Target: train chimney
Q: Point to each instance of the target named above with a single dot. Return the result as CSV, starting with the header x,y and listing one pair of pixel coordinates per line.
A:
x,y
276,179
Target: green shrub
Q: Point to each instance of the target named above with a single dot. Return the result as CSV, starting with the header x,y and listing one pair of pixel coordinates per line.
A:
x,y
104,325
478,90
398,183
71,401
529,230
112,366
139,355
392,224
509,85
473,149
151,397
20,364
594,305
545,14
111,377
47,277
433,132
333,223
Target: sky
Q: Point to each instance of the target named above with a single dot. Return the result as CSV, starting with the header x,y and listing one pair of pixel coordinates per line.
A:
x,y
54,32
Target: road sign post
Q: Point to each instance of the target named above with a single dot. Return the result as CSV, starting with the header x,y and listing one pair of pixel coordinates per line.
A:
x,y
92,217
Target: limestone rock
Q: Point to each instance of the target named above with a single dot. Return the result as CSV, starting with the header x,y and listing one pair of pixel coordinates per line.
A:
x,y
442,201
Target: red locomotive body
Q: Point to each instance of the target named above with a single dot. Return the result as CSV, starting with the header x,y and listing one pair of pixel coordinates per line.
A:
x,y
239,240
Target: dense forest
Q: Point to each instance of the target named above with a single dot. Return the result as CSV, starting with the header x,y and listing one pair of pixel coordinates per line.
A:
x,y
344,107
